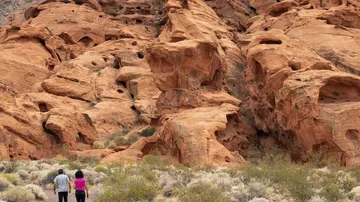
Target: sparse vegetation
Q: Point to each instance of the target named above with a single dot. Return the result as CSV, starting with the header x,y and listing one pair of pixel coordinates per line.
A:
x,y
202,192
127,184
80,162
274,178
287,175
114,140
147,132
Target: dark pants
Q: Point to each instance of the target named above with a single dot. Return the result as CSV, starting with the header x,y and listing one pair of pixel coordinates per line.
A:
x,y
80,196
63,196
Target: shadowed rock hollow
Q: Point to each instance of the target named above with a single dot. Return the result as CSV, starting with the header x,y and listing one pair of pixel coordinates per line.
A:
x,y
221,81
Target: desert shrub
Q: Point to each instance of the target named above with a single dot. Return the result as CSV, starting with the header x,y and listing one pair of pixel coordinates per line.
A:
x,y
50,177
101,168
154,162
147,132
75,165
125,141
129,184
10,167
116,139
331,192
4,183
334,184
289,176
80,162
132,139
18,194
37,191
202,192
13,178
111,145
99,145
120,140
23,174
121,133
88,160
356,172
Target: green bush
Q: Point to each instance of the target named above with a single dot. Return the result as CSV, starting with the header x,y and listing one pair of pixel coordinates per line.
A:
x,y
148,132
331,192
202,192
129,184
132,139
333,184
13,178
18,194
289,176
50,177
356,172
4,183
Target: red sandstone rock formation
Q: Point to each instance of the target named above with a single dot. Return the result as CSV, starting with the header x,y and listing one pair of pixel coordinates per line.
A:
x,y
222,81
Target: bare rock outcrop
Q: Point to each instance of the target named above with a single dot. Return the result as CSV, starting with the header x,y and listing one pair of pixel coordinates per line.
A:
x,y
221,81
303,79
62,88
189,67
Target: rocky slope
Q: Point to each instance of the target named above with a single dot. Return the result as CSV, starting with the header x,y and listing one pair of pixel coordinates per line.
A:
x,y
222,81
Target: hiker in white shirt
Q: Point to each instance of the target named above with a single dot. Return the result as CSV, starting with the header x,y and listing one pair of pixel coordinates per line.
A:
x,y
62,184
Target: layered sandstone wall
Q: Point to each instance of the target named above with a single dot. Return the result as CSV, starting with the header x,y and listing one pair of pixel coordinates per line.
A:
x,y
222,81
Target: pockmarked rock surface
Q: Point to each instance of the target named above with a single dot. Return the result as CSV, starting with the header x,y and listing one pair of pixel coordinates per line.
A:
x,y
221,82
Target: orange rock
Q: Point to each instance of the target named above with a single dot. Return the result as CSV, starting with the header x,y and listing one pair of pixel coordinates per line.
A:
x,y
233,13
190,135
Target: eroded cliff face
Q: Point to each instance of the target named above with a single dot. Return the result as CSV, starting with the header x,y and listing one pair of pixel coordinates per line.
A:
x,y
222,81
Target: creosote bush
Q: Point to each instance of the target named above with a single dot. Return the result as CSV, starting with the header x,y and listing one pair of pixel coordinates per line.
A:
x,y
290,177
147,132
13,178
37,191
202,192
153,162
4,183
129,184
19,194
50,177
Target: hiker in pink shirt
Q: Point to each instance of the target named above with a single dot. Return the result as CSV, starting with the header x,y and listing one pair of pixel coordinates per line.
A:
x,y
80,186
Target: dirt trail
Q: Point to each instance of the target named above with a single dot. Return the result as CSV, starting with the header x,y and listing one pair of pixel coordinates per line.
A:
x,y
53,198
